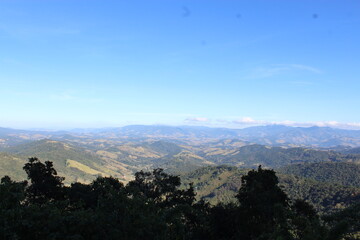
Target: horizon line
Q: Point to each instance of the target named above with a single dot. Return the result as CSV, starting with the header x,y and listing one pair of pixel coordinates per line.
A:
x,y
59,129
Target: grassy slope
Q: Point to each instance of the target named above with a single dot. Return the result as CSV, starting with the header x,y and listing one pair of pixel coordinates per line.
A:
x,y
78,169
12,165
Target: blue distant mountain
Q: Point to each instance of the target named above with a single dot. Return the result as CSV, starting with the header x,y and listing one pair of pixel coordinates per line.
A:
x,y
275,135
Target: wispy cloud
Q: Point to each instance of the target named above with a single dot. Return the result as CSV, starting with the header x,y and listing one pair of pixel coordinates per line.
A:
x,y
248,121
197,120
303,67
242,122
278,69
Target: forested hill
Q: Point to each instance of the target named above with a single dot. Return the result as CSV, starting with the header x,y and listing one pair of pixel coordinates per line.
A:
x,y
221,183
341,173
12,165
253,155
84,159
154,206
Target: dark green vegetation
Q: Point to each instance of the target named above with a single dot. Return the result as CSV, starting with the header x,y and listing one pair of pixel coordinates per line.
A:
x,y
221,183
215,184
153,206
325,178
340,173
326,197
12,165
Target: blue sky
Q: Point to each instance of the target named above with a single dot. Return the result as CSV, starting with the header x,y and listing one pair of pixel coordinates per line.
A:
x,y
88,63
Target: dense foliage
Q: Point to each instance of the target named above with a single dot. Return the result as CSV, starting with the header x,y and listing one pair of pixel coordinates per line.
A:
x,y
153,206
325,197
340,173
221,184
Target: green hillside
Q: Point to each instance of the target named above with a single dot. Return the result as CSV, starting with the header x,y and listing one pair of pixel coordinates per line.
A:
x,y
324,196
82,159
184,161
341,173
155,206
12,166
163,147
221,183
215,183
273,157
74,163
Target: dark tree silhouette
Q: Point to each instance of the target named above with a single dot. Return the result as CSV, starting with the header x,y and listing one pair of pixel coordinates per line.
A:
x,y
345,222
155,206
305,222
263,205
45,184
161,188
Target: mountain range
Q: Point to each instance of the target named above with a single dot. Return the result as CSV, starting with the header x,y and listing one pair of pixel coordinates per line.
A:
x,y
320,165
84,157
275,135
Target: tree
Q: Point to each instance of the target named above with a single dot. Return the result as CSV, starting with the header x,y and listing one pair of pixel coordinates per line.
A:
x,y
174,205
305,222
345,223
12,194
263,205
161,188
91,195
45,184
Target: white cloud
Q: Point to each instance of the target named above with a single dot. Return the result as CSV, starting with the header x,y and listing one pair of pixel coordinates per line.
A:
x,y
197,120
242,122
248,121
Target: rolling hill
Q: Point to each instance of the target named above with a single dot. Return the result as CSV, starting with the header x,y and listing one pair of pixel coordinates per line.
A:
x,y
341,173
273,135
221,183
84,158
12,165
74,163
273,157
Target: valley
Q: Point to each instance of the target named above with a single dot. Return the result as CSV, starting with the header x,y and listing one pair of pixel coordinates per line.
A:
x,y
213,159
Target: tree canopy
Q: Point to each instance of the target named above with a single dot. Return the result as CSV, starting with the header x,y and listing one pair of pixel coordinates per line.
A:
x,y
154,206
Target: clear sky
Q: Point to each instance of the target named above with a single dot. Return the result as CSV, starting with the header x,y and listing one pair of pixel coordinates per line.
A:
x,y
231,63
